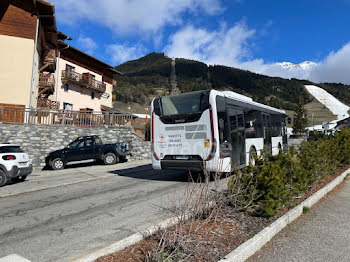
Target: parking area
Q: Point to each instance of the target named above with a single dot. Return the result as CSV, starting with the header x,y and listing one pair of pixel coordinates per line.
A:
x,y
63,215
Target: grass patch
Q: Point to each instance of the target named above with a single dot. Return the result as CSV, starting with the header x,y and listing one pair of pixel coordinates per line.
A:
x,y
306,209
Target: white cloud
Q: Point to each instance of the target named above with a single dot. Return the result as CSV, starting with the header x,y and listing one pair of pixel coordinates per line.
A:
x,y
231,47
130,16
122,53
87,44
226,46
335,68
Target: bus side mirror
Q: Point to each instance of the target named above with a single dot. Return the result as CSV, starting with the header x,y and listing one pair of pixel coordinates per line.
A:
x,y
289,120
156,107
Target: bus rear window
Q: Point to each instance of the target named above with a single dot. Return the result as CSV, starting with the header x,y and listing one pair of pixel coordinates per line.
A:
x,y
188,103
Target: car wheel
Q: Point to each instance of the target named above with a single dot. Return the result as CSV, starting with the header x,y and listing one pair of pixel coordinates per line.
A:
x,y
57,164
110,159
3,178
252,156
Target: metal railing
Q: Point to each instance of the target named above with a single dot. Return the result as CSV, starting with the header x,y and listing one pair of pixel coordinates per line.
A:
x,y
85,80
63,117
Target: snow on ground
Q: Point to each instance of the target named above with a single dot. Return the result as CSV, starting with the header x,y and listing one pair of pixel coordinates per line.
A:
x,y
334,105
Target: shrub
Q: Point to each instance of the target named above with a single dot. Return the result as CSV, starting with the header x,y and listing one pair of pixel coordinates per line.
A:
x,y
274,181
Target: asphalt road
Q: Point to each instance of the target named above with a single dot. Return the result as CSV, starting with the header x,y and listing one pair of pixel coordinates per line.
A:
x,y
321,235
63,215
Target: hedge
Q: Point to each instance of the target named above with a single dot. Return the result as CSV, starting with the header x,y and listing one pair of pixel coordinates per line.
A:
x,y
268,186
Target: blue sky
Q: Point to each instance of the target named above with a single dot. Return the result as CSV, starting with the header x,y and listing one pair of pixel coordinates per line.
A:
x,y
248,34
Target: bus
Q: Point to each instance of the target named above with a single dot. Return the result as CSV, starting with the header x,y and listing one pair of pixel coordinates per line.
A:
x,y
218,131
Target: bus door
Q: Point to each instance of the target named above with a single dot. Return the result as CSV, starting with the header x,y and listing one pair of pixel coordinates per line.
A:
x,y
237,137
266,119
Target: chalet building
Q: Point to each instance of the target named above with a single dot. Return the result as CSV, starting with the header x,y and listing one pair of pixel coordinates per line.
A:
x,y
84,83
38,69
28,47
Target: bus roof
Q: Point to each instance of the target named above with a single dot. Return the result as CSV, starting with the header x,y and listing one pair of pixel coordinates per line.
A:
x,y
245,101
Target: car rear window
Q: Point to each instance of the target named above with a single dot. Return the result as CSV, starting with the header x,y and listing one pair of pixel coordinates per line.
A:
x,y
10,149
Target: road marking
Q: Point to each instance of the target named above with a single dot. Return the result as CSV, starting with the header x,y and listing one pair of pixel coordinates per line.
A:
x,y
70,183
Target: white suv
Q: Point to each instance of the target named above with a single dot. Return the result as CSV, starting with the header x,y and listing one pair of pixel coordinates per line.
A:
x,y
14,164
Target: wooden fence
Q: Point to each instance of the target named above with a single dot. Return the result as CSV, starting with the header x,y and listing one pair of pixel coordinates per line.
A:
x,y
63,117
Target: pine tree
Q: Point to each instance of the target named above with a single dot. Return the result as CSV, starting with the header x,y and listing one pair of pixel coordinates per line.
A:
x,y
300,119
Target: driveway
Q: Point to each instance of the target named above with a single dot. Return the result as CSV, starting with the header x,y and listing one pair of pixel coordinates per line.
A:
x,y
63,215
323,234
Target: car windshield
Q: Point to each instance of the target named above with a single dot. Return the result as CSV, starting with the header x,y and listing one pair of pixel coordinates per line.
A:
x,y
186,103
10,149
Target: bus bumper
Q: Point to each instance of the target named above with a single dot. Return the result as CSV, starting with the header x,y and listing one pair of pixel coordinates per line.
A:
x,y
193,165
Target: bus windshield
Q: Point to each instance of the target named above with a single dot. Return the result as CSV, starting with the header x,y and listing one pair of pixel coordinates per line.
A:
x,y
187,103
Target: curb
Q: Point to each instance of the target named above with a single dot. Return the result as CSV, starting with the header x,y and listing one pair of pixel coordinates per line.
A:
x,y
254,244
120,245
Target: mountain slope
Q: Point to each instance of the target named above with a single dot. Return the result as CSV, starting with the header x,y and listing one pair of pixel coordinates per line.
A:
x,y
333,104
151,76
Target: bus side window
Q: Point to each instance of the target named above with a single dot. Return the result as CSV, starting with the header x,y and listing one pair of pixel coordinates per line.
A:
x,y
276,125
250,124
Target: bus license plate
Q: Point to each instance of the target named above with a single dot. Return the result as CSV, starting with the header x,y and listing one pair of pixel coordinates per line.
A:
x,y
181,157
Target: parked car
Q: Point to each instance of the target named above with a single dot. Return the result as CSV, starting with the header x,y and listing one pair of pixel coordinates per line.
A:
x,y
15,165
87,149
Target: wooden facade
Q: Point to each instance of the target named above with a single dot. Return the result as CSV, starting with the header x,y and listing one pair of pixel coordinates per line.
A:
x,y
17,22
12,113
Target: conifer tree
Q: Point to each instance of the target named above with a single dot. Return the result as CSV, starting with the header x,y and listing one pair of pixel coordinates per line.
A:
x,y
300,119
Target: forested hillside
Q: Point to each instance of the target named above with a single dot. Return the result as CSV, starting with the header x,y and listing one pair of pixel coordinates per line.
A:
x,y
149,76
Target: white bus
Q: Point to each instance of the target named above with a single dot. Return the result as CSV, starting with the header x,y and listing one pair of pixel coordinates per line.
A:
x,y
214,130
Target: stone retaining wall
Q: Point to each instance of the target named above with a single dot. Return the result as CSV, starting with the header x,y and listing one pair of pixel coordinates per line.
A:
x,y
39,140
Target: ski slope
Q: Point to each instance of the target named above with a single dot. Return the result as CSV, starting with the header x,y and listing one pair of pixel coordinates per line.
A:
x,y
334,105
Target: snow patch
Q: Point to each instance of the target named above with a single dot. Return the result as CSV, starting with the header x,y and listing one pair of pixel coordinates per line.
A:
x,y
334,105
290,66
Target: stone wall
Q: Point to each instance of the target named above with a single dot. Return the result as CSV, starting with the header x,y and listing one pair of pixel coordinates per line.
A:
x,y
39,140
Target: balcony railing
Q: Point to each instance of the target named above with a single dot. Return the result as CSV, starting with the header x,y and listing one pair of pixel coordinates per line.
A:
x,y
46,80
85,80
64,117
46,84
49,61
50,57
47,104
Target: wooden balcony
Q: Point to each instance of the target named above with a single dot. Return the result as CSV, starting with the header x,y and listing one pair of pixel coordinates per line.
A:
x,y
46,84
85,80
49,61
48,104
